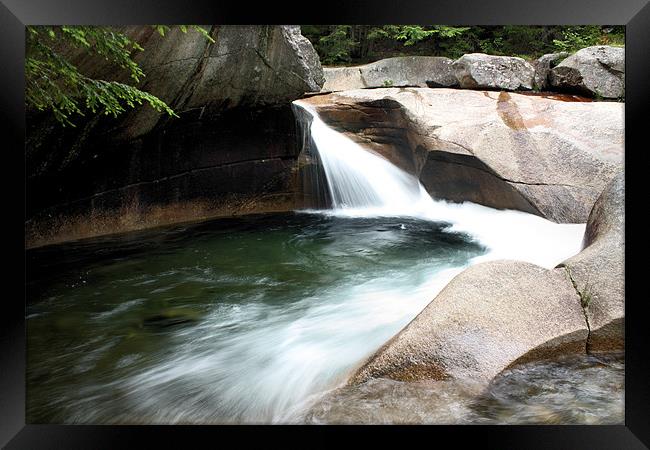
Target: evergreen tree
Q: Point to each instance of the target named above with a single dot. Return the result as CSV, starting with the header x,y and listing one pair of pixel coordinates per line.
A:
x,y
55,84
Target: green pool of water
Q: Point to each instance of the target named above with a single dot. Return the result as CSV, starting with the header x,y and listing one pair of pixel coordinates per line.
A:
x,y
240,320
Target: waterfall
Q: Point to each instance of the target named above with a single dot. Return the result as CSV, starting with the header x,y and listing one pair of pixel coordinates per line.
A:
x,y
361,183
357,179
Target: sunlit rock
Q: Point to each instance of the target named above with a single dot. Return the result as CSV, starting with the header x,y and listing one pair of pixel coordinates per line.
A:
x,y
421,71
597,71
480,71
488,317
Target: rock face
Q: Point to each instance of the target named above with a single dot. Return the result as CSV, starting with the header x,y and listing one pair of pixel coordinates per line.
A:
x,y
543,66
480,71
252,66
490,316
421,71
233,150
538,154
598,271
192,169
598,70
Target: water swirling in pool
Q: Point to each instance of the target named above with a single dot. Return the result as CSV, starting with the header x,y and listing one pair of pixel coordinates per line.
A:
x,y
234,320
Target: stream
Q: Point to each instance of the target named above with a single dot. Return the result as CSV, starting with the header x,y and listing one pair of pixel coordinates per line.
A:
x,y
261,318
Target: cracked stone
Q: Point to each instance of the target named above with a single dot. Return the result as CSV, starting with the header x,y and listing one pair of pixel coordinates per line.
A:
x,y
598,270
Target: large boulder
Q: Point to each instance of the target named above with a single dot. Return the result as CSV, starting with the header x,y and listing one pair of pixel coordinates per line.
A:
x,y
598,272
597,71
252,66
481,71
420,71
543,66
538,154
489,317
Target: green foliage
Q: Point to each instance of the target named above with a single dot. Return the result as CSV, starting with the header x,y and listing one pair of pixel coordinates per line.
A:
x,y
614,35
469,42
492,47
55,84
336,46
586,293
524,41
388,83
343,44
412,34
406,33
576,37
162,29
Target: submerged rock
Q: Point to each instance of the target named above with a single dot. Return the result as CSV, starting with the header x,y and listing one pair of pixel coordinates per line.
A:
x,y
597,71
533,153
171,317
481,71
528,393
420,71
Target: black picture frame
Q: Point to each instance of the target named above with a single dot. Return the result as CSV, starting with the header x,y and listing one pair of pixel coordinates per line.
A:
x,y
15,14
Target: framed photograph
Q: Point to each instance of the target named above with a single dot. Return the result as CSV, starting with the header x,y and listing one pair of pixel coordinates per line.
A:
x,y
322,218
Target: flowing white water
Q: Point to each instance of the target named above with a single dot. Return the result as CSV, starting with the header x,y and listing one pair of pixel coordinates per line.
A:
x,y
364,184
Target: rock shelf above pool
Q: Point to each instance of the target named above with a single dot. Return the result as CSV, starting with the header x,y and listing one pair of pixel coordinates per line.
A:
x,y
545,154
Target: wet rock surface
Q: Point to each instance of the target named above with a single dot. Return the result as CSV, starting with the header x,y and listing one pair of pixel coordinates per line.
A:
x,y
193,170
232,150
531,393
